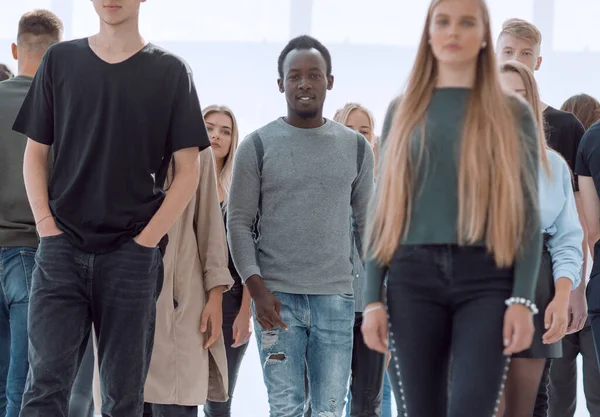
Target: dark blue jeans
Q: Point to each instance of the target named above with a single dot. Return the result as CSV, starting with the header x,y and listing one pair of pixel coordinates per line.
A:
x,y
117,291
16,265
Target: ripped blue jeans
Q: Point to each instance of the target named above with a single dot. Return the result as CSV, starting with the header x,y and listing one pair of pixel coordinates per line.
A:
x,y
319,341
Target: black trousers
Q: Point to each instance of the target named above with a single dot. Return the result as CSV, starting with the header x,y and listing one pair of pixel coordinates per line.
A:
x,y
563,376
117,291
444,302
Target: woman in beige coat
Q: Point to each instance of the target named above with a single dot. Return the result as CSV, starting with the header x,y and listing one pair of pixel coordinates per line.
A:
x,y
188,363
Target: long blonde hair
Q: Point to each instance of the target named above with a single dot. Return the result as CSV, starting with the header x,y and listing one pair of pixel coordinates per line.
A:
x,y
532,96
492,192
224,177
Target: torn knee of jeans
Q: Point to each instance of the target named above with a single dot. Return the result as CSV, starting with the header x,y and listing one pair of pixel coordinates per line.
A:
x,y
331,412
275,358
269,338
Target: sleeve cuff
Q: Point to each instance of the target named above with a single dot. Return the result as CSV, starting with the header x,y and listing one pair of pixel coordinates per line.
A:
x,y
249,271
216,277
565,273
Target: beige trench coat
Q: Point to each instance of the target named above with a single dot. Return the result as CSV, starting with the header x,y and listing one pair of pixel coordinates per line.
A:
x,y
182,372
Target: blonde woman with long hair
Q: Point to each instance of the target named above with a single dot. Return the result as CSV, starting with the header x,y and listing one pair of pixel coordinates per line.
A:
x,y
455,223
368,367
237,318
561,263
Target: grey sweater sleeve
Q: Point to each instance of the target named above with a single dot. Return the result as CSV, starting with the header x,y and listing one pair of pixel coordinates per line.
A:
x,y
361,195
244,195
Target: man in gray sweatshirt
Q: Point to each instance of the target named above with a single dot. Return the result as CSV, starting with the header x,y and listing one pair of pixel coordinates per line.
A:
x,y
305,176
38,30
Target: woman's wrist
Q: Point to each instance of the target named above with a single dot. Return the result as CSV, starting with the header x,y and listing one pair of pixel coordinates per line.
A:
x,y
562,288
216,293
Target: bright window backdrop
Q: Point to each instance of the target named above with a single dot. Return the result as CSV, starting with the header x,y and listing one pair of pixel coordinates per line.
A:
x,y
233,45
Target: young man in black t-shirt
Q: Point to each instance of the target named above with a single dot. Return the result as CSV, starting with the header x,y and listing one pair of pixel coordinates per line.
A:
x,y
588,169
115,110
521,41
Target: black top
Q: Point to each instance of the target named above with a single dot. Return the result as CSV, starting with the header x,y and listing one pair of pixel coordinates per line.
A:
x,y
563,133
234,274
113,129
588,157
588,165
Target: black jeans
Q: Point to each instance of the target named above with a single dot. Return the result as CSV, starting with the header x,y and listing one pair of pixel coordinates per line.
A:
x,y
444,302
81,403
366,381
232,301
117,291
563,376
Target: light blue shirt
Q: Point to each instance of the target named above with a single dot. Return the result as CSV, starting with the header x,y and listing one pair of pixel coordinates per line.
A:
x,y
560,220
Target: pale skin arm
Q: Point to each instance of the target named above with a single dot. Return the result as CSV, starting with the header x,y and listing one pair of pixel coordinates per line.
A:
x,y
185,181
242,326
35,173
577,302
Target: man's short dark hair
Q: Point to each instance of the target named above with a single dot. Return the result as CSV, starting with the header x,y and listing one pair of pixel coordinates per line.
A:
x,y
5,73
304,42
39,29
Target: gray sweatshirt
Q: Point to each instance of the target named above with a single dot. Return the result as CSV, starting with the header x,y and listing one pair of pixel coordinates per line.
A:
x,y
306,185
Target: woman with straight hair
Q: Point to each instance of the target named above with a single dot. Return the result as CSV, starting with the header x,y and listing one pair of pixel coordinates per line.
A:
x,y
455,223
366,393
563,373
561,263
189,362
237,317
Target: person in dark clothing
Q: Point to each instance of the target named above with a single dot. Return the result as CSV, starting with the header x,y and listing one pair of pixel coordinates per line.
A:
x,y
521,40
102,213
460,287
37,31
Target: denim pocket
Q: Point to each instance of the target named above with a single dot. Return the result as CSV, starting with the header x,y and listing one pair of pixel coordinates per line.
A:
x,y
142,247
28,262
50,238
347,296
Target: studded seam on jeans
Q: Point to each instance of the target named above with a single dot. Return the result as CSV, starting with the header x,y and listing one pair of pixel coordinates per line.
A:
x,y
397,366
501,390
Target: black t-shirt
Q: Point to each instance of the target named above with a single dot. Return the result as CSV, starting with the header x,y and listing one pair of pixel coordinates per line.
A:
x,y
588,157
588,165
113,129
563,133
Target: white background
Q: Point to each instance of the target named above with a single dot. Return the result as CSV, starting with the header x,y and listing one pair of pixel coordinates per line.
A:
x,y
233,45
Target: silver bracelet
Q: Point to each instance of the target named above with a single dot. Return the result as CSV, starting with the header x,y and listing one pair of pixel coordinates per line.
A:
x,y
374,308
523,301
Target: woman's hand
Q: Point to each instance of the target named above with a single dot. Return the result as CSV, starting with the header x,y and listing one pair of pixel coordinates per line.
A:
x,y
211,321
375,328
518,329
242,328
556,316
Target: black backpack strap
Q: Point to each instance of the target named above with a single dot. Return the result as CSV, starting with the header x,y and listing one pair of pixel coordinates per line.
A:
x,y
360,152
260,153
